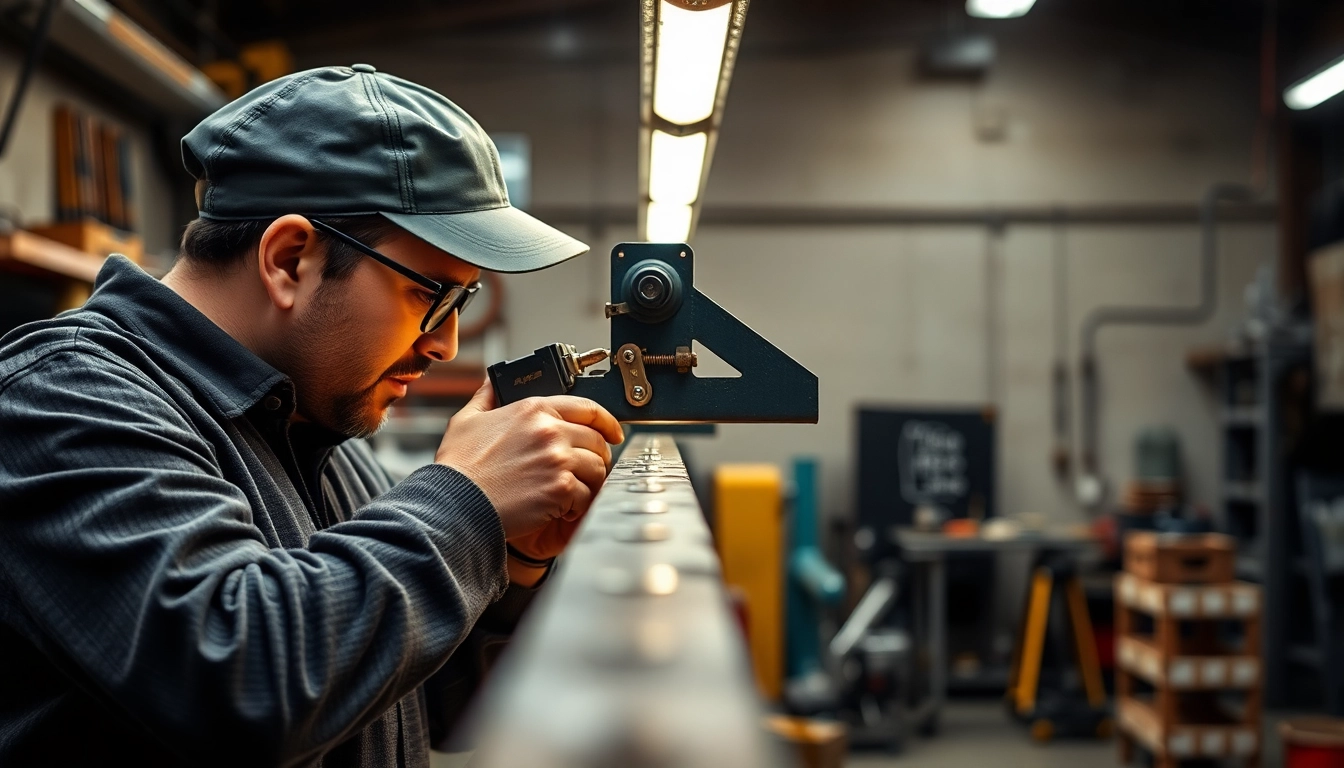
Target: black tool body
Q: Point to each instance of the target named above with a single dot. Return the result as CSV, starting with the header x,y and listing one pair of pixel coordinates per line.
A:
x,y
540,374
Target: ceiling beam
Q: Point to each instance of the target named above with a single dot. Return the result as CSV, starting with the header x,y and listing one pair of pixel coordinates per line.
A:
x,y
404,26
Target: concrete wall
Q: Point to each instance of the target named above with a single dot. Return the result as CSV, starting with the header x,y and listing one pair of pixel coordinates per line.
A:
x,y
898,314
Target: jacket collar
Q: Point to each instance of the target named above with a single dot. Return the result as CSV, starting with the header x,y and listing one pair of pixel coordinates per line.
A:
x,y
221,368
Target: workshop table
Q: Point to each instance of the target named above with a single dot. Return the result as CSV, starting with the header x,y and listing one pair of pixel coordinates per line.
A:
x,y
927,551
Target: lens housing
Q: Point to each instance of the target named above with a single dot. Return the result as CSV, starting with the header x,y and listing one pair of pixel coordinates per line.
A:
x,y
652,290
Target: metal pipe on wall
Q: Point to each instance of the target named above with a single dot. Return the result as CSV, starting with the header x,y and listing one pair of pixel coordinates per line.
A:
x,y
905,216
1090,486
993,311
1060,410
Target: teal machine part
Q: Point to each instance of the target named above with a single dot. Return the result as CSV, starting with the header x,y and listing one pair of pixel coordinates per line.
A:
x,y
812,582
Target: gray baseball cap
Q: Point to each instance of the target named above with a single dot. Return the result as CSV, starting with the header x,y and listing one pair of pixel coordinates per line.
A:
x,y
347,141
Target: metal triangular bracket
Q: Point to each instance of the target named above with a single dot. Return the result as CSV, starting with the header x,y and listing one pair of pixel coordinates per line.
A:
x,y
656,307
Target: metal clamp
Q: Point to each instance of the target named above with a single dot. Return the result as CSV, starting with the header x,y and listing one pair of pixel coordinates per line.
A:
x,y
638,390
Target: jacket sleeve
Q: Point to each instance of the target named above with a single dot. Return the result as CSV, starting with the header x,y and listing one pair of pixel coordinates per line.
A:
x,y
450,692
137,565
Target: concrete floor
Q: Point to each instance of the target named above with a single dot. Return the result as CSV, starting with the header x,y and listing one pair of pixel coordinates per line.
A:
x,y
979,733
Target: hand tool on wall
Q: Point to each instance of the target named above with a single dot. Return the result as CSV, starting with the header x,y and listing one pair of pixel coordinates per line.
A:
x,y
656,313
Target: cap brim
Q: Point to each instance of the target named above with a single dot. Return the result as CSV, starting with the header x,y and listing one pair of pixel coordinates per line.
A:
x,y
498,239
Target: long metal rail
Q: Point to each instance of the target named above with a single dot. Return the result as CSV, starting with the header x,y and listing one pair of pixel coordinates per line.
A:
x,y
631,656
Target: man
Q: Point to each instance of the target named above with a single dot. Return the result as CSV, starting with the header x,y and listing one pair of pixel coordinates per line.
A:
x,y
196,565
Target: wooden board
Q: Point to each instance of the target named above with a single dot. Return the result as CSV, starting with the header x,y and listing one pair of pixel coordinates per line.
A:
x,y
1229,600
1140,656
95,238
1140,720
25,252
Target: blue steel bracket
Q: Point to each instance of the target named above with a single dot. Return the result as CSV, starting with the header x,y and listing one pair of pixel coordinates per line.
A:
x,y
773,387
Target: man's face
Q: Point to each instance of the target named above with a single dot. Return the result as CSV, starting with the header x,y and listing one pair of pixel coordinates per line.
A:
x,y
357,345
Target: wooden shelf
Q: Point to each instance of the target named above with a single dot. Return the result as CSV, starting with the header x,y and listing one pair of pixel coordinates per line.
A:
x,y
1193,672
26,252
1207,360
1229,600
93,237
1185,740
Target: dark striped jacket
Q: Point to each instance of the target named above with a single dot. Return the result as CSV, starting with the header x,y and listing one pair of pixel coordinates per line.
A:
x,y
188,579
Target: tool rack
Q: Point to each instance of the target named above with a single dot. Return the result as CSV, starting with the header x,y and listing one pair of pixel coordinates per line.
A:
x,y
1182,690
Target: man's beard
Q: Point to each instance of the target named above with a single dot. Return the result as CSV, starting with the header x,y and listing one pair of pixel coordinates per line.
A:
x,y
319,336
350,414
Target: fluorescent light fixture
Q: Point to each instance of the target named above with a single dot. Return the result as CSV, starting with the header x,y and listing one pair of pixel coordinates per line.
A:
x,y
998,9
668,223
1317,88
689,58
675,163
687,52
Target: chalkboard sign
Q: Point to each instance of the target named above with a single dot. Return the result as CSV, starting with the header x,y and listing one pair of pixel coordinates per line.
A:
x,y
910,458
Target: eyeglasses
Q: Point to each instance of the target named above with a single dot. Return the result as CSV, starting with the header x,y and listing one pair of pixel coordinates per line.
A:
x,y
447,298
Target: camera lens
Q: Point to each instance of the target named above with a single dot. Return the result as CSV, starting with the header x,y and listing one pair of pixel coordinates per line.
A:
x,y
651,289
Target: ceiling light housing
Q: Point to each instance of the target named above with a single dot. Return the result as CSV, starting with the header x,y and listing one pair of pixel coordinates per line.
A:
x,y
998,9
688,48
1310,91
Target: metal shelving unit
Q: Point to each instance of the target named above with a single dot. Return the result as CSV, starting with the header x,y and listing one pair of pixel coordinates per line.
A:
x,y
1254,504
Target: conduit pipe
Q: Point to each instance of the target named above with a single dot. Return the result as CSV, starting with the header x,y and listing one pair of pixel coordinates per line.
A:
x,y
1090,486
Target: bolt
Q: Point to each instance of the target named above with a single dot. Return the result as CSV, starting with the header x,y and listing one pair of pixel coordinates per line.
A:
x,y
637,393
628,355
644,532
684,358
645,508
647,485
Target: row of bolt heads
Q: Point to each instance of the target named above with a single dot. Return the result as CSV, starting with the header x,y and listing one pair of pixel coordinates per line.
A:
x,y
660,579
650,458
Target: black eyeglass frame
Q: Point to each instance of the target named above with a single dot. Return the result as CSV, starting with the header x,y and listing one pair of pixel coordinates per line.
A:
x,y
447,298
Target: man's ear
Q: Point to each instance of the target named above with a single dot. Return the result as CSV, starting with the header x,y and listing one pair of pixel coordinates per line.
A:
x,y
289,260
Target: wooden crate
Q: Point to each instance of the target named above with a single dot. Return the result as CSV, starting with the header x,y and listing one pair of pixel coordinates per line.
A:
x,y
1180,558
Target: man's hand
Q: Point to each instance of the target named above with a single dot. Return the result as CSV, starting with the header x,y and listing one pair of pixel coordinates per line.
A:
x,y
542,544
547,541
540,461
